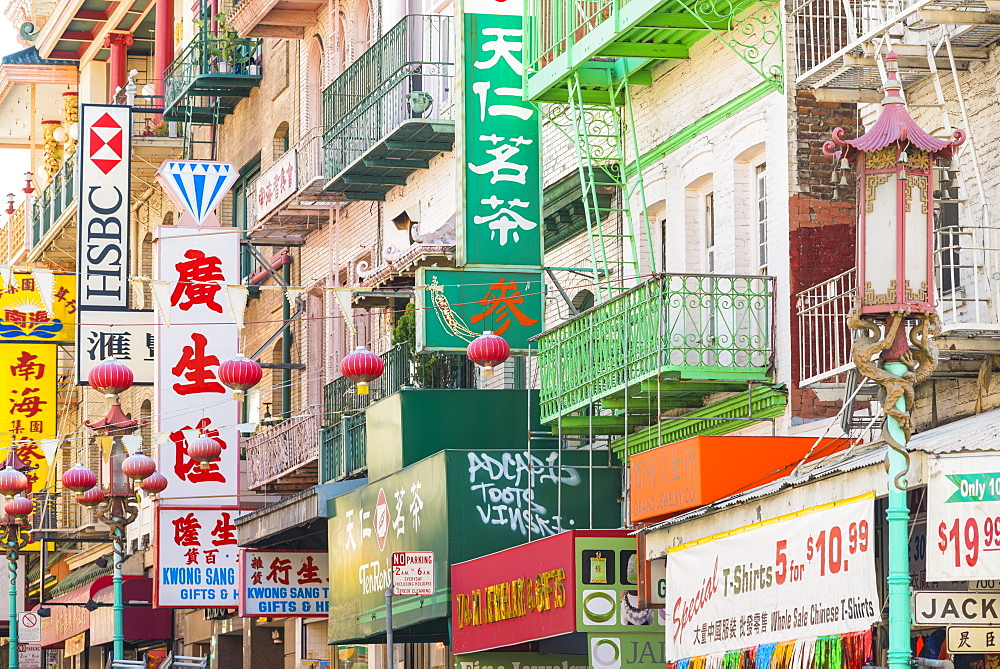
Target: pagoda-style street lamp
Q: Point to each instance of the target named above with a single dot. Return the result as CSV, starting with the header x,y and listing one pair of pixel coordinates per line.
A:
x,y
16,534
124,475
895,162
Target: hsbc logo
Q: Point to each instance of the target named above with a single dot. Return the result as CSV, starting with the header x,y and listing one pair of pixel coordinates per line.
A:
x,y
103,219
106,143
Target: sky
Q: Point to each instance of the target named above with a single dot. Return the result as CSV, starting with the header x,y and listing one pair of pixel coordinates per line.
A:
x,y
13,162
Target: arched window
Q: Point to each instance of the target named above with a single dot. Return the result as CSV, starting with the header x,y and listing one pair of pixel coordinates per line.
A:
x,y
146,426
281,140
314,88
362,29
583,300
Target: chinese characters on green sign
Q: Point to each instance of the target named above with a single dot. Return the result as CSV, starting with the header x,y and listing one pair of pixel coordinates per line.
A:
x,y
499,137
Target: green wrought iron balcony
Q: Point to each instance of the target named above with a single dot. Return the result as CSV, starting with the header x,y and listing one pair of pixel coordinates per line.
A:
x,y
606,41
344,451
58,196
210,76
664,344
391,110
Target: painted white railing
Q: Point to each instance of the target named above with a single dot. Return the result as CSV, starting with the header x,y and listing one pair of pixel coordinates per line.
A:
x,y
281,449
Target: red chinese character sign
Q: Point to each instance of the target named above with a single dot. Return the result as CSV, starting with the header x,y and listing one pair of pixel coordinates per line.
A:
x,y
454,306
197,560
284,583
196,333
28,403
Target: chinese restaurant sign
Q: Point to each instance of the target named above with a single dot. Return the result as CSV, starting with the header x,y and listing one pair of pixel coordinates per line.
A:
x,y
105,175
576,581
28,388
460,505
22,311
804,575
509,304
963,518
202,334
196,558
128,336
498,142
275,185
284,583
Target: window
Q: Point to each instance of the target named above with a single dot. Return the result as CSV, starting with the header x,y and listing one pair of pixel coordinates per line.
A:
x,y
663,245
709,222
760,195
947,242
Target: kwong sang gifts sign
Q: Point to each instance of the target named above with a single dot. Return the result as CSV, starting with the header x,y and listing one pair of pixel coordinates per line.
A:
x,y
804,575
284,583
197,559
196,266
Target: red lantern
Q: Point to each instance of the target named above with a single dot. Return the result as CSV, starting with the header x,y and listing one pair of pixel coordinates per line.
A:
x,y
110,377
138,466
204,450
154,483
91,497
362,366
488,350
78,478
19,507
12,482
240,374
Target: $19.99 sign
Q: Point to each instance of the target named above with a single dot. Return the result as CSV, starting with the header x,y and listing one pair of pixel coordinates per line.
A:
x,y
811,574
963,519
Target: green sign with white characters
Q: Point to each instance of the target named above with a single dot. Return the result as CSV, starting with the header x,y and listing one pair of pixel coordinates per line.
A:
x,y
460,505
607,587
498,142
975,487
636,651
456,305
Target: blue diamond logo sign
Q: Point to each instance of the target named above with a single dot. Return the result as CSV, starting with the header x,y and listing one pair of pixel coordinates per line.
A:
x,y
197,186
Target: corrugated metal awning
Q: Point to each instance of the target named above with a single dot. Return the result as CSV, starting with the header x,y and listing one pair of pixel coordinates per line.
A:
x,y
975,433
258,527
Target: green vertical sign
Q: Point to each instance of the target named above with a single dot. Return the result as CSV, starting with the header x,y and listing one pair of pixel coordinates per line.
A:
x,y
498,142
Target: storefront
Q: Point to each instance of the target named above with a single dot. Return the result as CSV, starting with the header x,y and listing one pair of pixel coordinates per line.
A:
x,y
567,600
459,505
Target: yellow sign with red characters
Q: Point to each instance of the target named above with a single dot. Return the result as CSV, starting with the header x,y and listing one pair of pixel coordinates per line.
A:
x,y
24,315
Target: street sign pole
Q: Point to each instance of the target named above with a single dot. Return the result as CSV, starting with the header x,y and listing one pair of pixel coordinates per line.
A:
x,y
390,661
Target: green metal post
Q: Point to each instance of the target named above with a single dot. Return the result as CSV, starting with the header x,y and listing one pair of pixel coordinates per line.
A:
x,y
12,558
898,516
119,605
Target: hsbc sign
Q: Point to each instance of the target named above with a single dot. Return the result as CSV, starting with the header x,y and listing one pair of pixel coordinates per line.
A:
x,y
103,220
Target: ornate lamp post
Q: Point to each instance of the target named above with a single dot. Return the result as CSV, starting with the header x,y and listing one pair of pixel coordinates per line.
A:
x,y
16,534
124,475
895,162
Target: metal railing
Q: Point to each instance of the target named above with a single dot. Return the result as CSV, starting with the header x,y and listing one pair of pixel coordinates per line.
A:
x,y
372,96
345,449
57,196
698,326
825,27
402,368
308,153
824,338
553,27
211,53
281,449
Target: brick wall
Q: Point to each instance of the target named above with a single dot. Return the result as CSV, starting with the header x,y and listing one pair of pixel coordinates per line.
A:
x,y
821,230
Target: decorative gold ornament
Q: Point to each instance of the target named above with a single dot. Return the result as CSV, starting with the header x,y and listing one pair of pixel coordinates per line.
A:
x,y
873,181
883,159
71,114
53,153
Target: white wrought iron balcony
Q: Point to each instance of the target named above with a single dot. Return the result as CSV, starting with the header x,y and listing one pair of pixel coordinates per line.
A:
x,y
283,458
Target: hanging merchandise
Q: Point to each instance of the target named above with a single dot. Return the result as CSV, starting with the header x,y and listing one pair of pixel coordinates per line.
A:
x,y
598,569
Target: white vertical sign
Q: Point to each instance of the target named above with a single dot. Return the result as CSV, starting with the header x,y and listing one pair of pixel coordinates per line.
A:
x,y
197,264
197,558
103,214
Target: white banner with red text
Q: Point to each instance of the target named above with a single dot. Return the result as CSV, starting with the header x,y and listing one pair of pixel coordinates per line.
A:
x,y
197,559
201,336
963,518
806,574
